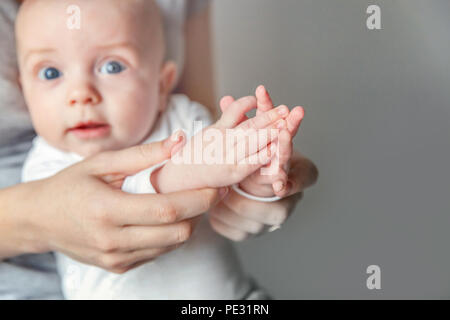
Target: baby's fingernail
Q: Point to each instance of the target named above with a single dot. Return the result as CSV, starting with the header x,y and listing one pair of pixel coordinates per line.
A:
x,y
281,124
283,110
278,186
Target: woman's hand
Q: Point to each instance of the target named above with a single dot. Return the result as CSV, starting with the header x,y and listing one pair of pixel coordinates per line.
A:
x,y
83,213
237,218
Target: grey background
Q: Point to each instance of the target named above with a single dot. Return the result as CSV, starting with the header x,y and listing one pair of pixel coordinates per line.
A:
x,y
378,127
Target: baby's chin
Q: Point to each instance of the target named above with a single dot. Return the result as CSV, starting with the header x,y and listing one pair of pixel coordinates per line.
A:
x,y
88,150
93,147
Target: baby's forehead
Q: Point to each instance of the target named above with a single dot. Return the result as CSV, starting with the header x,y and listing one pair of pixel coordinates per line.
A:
x,y
102,20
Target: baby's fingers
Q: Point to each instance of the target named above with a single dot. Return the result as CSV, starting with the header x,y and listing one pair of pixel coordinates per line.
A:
x,y
249,142
269,179
285,148
225,102
265,119
257,160
264,101
295,119
235,112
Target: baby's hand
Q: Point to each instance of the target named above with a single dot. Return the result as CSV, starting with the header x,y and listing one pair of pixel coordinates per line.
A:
x,y
271,179
225,153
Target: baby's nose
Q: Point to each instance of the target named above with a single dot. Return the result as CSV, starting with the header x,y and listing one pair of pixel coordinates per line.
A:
x,y
83,95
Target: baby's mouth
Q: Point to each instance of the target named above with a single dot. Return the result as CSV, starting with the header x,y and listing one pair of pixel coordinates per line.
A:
x,y
90,130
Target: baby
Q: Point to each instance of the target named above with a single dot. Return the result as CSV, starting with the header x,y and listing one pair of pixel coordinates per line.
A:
x,y
107,86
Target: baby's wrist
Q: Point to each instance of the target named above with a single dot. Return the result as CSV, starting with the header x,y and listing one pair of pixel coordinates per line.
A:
x,y
250,196
160,181
173,178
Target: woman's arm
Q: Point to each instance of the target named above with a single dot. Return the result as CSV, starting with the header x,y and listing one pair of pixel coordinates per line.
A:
x,y
198,78
16,238
82,212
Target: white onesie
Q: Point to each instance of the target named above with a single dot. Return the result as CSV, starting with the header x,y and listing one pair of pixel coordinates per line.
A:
x,y
206,267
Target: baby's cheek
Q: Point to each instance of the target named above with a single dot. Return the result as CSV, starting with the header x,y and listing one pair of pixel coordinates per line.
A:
x,y
134,125
47,118
133,111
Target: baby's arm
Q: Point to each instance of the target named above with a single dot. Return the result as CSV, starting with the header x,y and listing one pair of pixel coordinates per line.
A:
x,y
224,153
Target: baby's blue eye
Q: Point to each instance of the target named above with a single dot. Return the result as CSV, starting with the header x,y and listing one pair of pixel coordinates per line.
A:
x,y
49,73
112,67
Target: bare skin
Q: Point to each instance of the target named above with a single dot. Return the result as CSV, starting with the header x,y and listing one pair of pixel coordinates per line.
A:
x,y
235,218
81,212
238,218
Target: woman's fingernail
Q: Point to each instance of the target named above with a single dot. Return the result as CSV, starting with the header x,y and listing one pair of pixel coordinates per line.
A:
x,y
175,142
274,228
178,136
278,186
288,186
223,192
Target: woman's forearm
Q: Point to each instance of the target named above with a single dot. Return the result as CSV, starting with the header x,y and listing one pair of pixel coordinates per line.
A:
x,y
16,234
198,78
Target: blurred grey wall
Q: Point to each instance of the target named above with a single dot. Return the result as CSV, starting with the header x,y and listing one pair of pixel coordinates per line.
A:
x,y
378,127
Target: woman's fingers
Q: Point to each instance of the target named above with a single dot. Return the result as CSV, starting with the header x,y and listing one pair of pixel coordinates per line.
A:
x,y
123,262
132,160
228,217
157,209
153,237
303,174
227,231
273,213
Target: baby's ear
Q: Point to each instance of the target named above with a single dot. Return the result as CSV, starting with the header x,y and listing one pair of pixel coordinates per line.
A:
x,y
167,80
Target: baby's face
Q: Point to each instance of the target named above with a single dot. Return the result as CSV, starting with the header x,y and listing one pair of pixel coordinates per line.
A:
x,y
100,87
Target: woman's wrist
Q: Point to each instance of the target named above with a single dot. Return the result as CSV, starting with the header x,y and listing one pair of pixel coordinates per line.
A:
x,y
19,230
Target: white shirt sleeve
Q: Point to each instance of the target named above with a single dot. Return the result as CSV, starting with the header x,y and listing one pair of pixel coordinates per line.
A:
x,y
140,183
44,161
